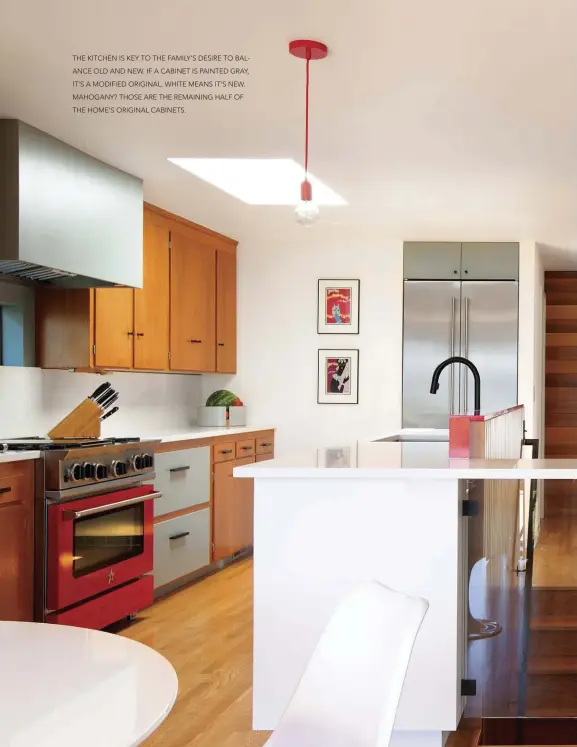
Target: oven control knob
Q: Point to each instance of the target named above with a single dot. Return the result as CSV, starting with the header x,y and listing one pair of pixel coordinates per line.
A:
x,y
148,461
119,468
89,470
75,473
138,462
100,471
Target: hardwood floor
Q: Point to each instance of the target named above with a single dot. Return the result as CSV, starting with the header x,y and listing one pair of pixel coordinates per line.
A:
x,y
205,631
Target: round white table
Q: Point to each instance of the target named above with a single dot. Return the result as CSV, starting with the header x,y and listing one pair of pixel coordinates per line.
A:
x,y
65,687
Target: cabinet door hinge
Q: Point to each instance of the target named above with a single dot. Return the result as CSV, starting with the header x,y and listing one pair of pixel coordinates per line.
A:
x,y
470,508
94,349
169,355
468,687
169,240
212,547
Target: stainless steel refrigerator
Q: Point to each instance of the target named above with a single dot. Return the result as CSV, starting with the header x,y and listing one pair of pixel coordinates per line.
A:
x,y
459,299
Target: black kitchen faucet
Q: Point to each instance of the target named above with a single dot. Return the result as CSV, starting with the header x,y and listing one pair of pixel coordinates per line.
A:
x,y
474,370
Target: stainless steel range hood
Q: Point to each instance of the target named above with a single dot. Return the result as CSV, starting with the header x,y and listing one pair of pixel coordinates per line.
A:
x,y
66,218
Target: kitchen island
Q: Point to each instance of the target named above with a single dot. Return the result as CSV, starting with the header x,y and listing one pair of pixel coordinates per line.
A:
x,y
393,509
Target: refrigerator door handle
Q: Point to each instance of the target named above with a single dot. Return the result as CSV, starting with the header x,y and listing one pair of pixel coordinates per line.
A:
x,y
464,369
452,367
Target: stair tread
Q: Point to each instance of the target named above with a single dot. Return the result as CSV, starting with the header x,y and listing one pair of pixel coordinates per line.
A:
x,y
554,622
546,713
553,665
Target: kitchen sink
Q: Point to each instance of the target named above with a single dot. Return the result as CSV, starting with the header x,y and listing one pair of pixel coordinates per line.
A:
x,y
426,437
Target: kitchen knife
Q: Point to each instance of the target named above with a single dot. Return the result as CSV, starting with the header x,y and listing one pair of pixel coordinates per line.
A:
x,y
98,392
109,413
109,400
103,397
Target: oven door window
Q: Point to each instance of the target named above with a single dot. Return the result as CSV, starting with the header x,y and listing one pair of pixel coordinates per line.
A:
x,y
107,538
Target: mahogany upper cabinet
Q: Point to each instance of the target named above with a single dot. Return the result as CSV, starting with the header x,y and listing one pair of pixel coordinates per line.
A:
x,y
192,302
131,326
152,302
114,327
183,319
225,311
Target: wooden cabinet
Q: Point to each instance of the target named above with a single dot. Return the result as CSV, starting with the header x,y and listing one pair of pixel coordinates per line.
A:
x,y
114,328
225,312
233,510
183,319
192,303
244,507
131,325
244,448
224,511
17,540
152,301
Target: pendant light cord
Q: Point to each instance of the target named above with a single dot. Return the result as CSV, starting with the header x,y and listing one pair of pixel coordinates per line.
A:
x,y
307,119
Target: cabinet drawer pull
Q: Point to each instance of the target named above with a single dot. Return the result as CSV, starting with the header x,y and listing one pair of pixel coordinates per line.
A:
x,y
179,535
266,443
246,448
140,334
226,451
221,344
195,340
130,334
179,469
5,490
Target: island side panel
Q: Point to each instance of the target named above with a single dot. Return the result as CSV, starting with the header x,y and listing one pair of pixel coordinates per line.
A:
x,y
315,540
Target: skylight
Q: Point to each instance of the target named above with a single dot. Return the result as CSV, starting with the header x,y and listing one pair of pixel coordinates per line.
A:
x,y
258,181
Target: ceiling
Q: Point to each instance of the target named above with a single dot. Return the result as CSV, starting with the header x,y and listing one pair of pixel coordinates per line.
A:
x,y
434,120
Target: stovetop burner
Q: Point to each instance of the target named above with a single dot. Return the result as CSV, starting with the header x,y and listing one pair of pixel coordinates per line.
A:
x,y
37,443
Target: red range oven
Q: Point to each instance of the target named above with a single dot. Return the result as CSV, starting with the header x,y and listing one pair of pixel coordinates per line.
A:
x,y
99,522
99,544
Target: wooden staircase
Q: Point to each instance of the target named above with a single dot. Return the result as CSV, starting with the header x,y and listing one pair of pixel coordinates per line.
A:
x,y
552,665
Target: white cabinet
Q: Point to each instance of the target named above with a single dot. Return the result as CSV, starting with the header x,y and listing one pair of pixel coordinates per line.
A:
x,y
183,478
181,546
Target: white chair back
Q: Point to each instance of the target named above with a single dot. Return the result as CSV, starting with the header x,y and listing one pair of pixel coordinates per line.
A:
x,y
350,690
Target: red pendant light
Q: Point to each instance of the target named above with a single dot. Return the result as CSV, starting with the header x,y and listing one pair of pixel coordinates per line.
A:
x,y
306,211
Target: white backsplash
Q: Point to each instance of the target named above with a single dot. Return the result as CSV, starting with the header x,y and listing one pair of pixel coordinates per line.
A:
x,y
32,400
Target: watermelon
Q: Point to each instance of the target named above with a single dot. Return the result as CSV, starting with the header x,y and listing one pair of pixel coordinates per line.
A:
x,y
223,398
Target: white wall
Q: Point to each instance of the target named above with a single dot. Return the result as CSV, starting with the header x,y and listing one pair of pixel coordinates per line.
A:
x,y
278,340
32,401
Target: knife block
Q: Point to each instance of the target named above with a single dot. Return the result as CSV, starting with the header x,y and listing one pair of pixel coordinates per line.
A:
x,y
82,422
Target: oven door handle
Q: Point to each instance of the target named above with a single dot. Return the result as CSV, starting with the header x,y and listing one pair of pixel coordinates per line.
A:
x,y
101,509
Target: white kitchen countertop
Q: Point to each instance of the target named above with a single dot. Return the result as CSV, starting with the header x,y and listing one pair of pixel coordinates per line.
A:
x,y
19,456
190,433
424,460
195,431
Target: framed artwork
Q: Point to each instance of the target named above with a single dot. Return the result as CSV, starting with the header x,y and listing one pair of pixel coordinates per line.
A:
x,y
338,307
338,379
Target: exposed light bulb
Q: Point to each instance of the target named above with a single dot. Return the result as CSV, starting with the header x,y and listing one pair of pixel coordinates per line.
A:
x,y
306,213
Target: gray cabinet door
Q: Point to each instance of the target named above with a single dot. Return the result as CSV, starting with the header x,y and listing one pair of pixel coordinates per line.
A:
x,y
431,260
183,478
489,332
489,261
181,546
431,334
